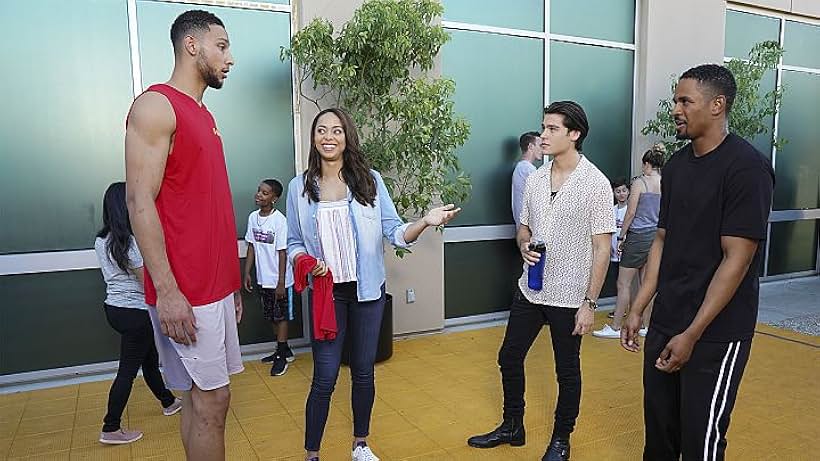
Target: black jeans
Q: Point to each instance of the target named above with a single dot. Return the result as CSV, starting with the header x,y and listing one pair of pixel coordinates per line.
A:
x,y
687,413
526,321
362,321
137,349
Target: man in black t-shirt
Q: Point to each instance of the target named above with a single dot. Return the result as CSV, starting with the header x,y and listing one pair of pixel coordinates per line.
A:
x,y
704,263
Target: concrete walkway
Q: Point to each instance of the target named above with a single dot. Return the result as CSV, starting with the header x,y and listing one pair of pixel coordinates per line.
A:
x,y
792,304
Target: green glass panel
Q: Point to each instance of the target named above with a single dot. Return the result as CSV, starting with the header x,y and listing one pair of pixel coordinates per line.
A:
x,y
518,14
763,142
64,325
602,19
60,326
63,119
480,277
744,30
801,41
500,105
575,74
797,166
253,110
793,247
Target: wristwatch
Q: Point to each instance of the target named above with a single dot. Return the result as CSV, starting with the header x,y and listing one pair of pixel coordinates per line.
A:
x,y
591,303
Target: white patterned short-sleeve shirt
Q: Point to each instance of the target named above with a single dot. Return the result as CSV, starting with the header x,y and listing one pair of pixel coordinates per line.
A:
x,y
581,208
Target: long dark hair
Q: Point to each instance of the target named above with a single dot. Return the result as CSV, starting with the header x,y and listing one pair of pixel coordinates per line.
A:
x,y
116,225
355,167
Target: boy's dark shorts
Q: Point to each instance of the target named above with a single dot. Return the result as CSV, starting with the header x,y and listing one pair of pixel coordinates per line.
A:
x,y
276,310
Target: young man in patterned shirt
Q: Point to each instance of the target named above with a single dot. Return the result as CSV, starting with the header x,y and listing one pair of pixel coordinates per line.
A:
x,y
567,204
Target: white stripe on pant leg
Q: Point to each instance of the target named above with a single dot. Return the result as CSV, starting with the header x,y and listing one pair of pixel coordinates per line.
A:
x,y
723,404
714,400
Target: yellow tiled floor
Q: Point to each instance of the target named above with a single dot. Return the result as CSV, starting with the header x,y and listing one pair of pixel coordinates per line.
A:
x,y
435,392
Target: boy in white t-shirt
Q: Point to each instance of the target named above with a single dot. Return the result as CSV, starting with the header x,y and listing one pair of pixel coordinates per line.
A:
x,y
267,251
620,193
620,190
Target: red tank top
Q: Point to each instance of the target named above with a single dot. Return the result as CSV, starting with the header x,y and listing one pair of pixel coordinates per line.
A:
x,y
195,207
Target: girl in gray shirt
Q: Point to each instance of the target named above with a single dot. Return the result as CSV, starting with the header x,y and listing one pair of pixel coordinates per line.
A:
x,y
127,313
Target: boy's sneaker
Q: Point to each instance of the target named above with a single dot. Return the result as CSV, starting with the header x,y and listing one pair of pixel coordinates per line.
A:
x,y
607,332
611,315
269,358
363,453
288,355
173,408
280,365
119,437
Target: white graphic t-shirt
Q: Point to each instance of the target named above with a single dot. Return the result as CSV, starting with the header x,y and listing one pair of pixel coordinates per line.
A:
x,y
268,235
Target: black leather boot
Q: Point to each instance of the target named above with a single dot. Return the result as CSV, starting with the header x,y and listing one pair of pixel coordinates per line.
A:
x,y
510,431
558,450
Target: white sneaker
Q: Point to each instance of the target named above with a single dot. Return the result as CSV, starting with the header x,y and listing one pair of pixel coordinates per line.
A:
x,y
643,331
607,332
363,453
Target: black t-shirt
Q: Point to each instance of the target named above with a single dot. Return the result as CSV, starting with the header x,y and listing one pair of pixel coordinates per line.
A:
x,y
727,192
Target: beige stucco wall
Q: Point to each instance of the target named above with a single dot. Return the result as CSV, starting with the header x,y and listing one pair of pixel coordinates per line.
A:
x,y
779,5
669,42
810,8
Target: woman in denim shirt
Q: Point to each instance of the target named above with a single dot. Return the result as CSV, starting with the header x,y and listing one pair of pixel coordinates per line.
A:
x,y
338,212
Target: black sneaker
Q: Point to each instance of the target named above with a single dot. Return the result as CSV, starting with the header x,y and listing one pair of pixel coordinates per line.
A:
x,y
280,365
558,450
288,355
269,358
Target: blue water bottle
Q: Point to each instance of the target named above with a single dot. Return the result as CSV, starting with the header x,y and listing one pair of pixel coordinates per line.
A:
x,y
535,274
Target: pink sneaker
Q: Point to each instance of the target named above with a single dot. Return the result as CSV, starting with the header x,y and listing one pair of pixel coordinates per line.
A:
x,y
119,437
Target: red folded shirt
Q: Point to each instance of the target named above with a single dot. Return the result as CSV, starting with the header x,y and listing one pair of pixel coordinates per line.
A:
x,y
324,309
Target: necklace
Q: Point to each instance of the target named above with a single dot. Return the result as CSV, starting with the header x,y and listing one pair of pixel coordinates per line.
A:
x,y
263,222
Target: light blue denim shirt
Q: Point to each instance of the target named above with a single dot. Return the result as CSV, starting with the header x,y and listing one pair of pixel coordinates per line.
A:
x,y
370,225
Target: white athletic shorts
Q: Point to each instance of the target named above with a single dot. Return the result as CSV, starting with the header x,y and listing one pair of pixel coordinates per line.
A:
x,y
211,359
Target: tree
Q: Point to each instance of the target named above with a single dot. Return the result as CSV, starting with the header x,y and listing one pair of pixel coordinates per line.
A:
x,y
376,68
750,109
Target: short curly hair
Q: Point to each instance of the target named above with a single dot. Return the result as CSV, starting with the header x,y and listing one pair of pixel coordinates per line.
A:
x,y
192,21
718,79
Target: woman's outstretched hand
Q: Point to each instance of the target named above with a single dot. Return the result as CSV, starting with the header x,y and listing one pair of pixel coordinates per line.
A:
x,y
441,215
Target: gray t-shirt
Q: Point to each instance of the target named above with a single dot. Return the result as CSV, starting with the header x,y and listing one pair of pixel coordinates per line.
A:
x,y
122,288
519,179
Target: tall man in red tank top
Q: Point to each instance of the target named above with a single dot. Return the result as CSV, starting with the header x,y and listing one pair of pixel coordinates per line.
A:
x,y
180,205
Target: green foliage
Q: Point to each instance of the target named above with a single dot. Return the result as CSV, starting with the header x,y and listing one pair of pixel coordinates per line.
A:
x,y
376,68
750,109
